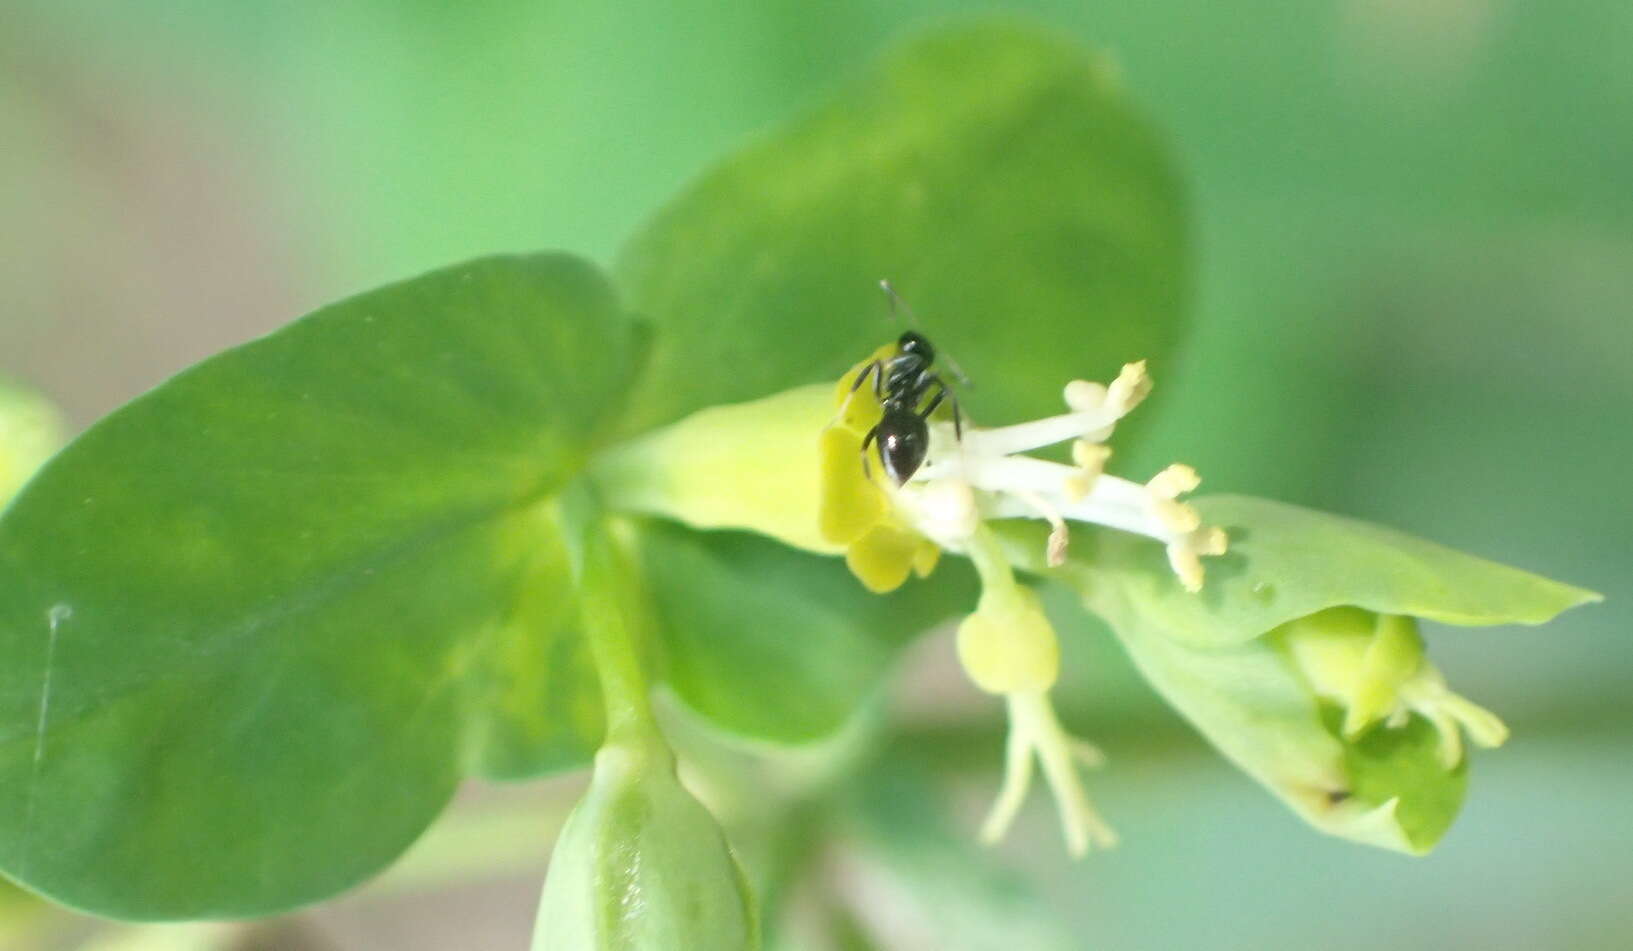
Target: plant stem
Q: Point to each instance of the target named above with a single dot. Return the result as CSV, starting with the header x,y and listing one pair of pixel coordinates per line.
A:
x,y
611,610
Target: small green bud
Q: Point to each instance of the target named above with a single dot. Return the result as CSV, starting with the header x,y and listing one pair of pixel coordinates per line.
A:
x,y
29,433
642,866
1374,667
1277,705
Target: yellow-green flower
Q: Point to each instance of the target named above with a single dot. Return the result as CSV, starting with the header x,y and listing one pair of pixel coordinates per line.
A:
x,y
1007,646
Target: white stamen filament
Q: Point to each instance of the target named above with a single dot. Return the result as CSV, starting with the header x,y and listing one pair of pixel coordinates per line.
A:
x,y
1009,485
1024,437
1136,518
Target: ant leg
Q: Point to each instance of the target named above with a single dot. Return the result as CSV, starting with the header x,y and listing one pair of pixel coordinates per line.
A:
x,y
878,372
942,392
861,378
867,440
935,401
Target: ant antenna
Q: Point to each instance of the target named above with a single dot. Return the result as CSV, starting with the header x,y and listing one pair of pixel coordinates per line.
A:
x,y
957,371
896,303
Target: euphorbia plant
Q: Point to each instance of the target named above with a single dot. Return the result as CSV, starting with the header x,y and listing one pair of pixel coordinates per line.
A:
x,y
256,625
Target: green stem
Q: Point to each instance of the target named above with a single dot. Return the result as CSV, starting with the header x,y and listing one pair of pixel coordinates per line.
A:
x,y
610,610
987,554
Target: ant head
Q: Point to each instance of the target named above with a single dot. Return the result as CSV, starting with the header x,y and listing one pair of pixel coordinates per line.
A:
x,y
916,343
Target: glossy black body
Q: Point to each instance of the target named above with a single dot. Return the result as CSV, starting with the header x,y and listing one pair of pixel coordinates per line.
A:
x,y
909,390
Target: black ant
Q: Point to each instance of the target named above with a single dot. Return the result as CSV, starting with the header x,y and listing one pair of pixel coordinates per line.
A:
x,y
901,383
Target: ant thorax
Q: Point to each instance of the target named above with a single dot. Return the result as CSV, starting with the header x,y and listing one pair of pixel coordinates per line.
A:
x,y
909,391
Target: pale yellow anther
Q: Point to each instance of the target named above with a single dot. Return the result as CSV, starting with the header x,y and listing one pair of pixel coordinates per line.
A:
x,y
1173,482
1185,554
1167,486
1129,389
1090,459
1055,553
1090,455
1176,517
1187,565
1059,534
1084,396
1212,541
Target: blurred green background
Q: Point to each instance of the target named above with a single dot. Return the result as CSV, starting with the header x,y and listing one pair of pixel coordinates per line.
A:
x,y
1414,236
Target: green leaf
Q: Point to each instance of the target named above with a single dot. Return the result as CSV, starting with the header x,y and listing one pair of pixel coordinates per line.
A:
x,y
1287,562
775,643
1403,764
996,175
257,624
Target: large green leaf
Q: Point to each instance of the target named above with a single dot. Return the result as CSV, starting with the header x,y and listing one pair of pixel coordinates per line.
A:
x,y
775,643
257,624
996,175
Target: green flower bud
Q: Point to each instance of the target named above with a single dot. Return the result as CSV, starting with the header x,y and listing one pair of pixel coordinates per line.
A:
x,y
29,433
642,866
1373,666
